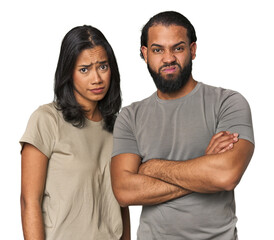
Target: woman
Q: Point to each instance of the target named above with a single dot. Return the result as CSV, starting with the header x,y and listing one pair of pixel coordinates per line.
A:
x,y
66,191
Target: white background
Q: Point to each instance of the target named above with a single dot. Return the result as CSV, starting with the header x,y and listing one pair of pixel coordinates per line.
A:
x,y
235,50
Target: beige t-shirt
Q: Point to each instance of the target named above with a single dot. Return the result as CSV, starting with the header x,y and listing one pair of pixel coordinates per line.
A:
x,y
78,201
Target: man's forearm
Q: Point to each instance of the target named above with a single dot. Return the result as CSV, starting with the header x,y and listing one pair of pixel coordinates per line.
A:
x,y
181,173
137,189
206,174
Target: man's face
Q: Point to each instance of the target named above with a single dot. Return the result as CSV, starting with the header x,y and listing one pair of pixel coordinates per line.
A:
x,y
169,56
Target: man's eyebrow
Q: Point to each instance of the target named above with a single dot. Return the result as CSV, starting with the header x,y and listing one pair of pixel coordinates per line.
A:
x,y
175,45
179,43
156,45
89,65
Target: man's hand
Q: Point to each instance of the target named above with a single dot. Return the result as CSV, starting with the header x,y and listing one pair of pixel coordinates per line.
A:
x,y
221,142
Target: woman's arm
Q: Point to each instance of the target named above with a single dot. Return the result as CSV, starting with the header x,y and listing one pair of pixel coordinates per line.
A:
x,y
33,177
126,223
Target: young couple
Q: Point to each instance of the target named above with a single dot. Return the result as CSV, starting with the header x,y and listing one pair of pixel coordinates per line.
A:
x,y
179,153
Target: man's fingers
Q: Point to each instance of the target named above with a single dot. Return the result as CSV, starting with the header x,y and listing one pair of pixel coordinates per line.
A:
x,y
230,146
221,142
214,138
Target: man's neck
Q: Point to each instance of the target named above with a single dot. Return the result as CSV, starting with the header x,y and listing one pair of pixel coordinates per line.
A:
x,y
190,85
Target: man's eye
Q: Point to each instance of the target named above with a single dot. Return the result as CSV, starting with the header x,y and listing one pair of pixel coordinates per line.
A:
x,y
83,70
157,50
177,49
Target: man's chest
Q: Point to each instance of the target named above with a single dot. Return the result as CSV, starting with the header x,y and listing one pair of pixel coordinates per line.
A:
x,y
174,135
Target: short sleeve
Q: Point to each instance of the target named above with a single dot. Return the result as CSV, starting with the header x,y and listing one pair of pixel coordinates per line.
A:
x,y
41,131
235,115
124,140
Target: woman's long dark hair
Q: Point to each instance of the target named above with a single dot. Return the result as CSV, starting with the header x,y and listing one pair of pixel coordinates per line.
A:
x,y
74,42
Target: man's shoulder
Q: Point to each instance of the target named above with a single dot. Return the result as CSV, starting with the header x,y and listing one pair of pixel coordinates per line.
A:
x,y
218,92
136,106
128,114
210,88
223,99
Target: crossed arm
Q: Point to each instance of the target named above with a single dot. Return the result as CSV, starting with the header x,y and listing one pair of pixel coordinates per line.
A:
x,y
206,174
140,184
131,188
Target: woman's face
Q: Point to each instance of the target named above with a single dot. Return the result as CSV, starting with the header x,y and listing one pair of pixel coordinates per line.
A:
x,y
91,76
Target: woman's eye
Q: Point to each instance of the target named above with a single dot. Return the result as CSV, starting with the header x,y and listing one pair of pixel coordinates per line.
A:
x,y
83,70
104,67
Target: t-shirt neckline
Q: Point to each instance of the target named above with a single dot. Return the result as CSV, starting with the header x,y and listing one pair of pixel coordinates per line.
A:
x,y
195,89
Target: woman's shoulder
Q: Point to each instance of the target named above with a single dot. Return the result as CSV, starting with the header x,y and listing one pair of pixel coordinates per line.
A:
x,y
46,113
47,108
42,128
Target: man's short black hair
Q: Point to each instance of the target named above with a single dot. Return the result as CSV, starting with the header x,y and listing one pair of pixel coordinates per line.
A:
x,y
168,18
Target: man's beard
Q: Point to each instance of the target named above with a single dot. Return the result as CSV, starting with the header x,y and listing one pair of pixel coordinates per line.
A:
x,y
170,84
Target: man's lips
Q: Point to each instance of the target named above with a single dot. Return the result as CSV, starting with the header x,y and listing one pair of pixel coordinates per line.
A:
x,y
170,68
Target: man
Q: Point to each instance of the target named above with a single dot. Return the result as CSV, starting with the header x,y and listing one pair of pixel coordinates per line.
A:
x,y
190,165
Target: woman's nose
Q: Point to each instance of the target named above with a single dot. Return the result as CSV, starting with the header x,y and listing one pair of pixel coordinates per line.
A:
x,y
95,78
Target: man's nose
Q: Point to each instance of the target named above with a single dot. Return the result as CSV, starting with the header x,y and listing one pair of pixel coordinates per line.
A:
x,y
168,57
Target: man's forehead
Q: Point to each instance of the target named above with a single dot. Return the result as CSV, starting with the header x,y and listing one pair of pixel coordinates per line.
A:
x,y
160,34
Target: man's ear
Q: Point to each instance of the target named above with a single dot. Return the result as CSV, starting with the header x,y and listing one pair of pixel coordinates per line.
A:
x,y
193,48
144,52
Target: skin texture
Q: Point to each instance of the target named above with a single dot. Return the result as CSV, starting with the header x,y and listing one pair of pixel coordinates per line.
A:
x,y
157,181
91,78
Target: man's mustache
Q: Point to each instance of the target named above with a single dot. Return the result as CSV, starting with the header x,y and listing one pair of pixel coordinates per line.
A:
x,y
169,65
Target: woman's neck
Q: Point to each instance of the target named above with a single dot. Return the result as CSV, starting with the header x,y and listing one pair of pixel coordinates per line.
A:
x,y
94,114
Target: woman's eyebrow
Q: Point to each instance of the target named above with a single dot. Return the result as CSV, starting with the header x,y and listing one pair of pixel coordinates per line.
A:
x,y
89,65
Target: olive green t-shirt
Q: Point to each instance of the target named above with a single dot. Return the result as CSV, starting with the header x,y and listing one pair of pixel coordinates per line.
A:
x,y
78,202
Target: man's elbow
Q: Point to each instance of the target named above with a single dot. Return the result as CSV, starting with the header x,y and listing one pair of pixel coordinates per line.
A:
x,y
122,193
122,197
235,167
230,185
229,181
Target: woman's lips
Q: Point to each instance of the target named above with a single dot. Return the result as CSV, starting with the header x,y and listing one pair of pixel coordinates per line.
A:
x,y
97,90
